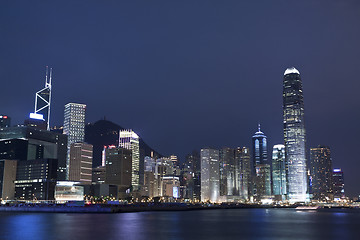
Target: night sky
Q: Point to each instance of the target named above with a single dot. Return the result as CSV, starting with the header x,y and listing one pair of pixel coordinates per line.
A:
x,y
190,74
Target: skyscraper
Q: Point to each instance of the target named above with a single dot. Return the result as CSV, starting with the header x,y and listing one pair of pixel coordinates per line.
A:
x,y
278,170
227,171
338,184
74,126
210,175
43,99
193,160
294,136
321,173
128,139
118,169
259,141
243,172
261,167
80,168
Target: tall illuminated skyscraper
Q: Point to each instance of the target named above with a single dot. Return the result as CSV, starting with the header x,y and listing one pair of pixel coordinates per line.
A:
x,y
278,170
74,126
243,172
294,136
227,171
210,175
338,184
128,139
321,173
261,167
259,141
43,99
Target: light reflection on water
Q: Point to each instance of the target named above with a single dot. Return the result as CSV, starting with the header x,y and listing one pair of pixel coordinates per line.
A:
x,y
205,224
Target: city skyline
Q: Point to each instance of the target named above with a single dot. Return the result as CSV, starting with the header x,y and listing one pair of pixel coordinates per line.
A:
x,y
172,98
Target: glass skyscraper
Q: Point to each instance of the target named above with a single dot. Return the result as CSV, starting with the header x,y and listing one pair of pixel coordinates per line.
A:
x,y
261,167
74,126
259,147
128,139
278,170
294,136
210,175
321,172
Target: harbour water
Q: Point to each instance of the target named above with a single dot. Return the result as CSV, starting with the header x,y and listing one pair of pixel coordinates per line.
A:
x,y
202,224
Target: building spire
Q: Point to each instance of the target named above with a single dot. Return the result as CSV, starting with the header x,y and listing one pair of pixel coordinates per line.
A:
x,y
259,127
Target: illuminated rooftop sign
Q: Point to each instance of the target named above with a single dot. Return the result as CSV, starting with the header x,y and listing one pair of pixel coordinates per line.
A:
x,y
37,116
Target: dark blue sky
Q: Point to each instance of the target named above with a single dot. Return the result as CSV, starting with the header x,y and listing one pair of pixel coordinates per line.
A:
x,y
189,74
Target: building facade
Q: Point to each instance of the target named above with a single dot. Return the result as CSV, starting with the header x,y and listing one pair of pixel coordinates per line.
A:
x,y
279,171
74,127
7,179
27,143
210,175
227,172
36,179
128,139
294,136
321,173
80,165
243,172
259,143
338,184
261,166
118,169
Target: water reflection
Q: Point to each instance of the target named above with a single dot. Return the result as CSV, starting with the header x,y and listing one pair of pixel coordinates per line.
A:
x,y
24,226
206,224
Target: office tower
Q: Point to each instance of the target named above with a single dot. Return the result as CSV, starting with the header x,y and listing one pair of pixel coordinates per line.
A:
x,y
338,184
5,121
7,178
43,99
26,143
294,136
118,169
262,181
243,172
279,171
193,160
80,168
259,143
128,139
149,187
321,172
227,171
210,175
74,126
261,167
74,122
36,179
187,183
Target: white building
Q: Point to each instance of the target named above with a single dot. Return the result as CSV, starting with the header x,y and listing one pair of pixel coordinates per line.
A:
x,y
74,126
128,139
